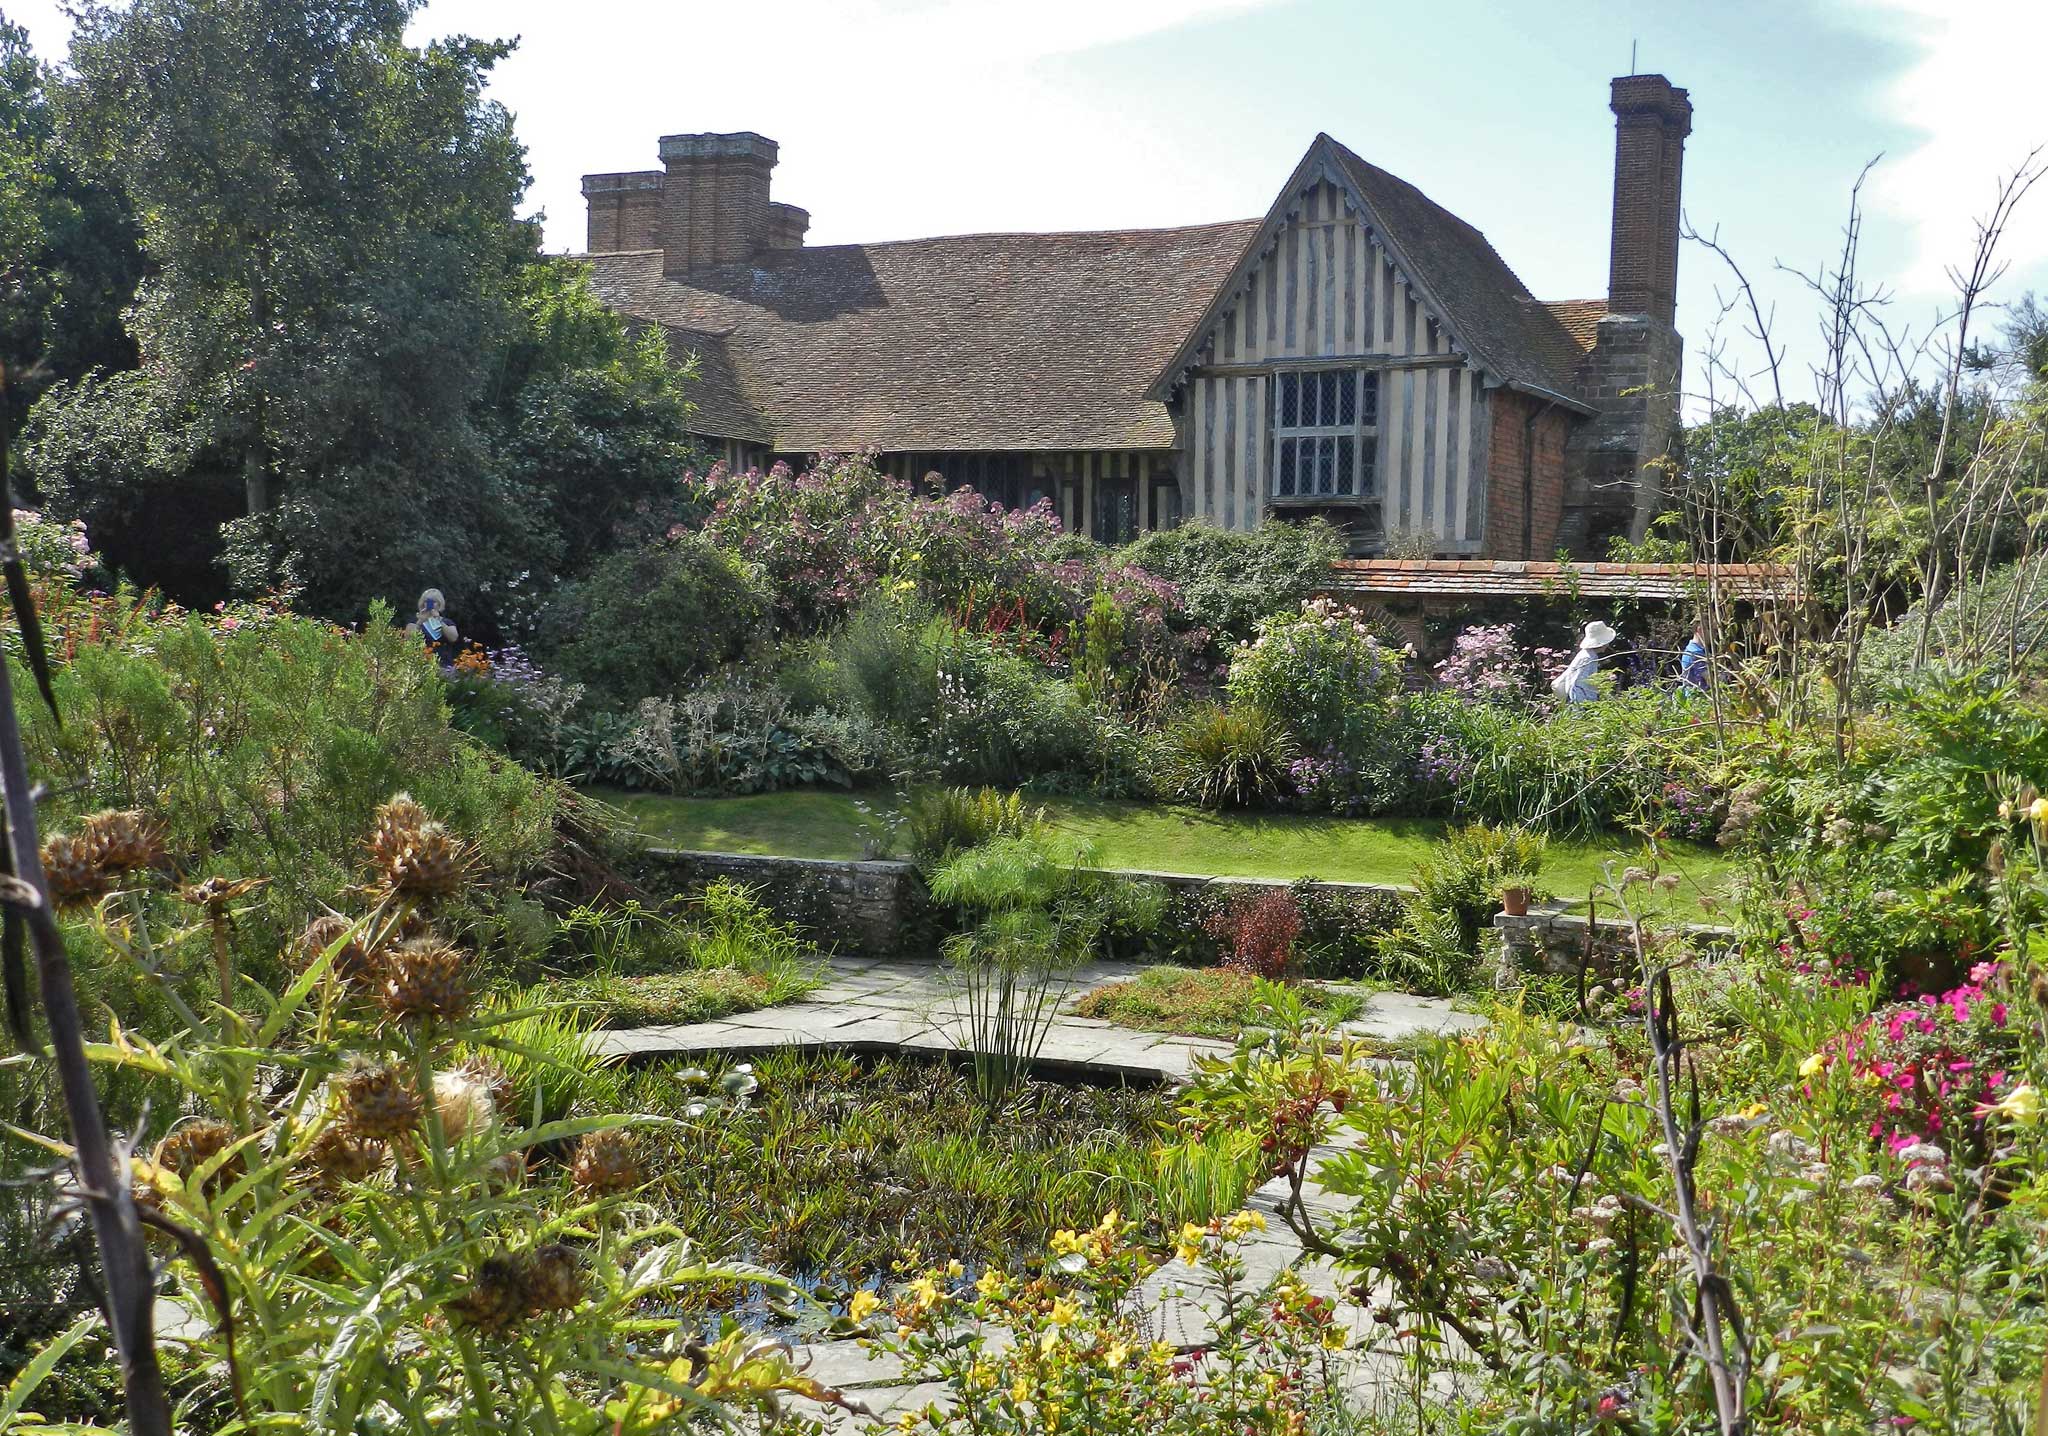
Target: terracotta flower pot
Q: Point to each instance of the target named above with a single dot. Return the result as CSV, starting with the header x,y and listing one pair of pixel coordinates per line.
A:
x,y
1514,901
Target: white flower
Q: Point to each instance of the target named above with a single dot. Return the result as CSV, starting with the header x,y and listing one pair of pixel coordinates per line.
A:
x,y
1598,1245
1924,1152
1868,1182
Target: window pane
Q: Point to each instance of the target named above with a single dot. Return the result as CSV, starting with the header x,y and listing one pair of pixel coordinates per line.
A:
x,y
1371,415
1345,445
1283,481
1326,466
1347,399
1331,385
1368,476
1289,407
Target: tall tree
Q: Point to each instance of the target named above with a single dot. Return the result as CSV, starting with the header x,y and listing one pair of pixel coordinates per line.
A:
x,y
70,255
331,217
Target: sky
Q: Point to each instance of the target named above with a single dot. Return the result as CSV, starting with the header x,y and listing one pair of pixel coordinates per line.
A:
x,y
904,118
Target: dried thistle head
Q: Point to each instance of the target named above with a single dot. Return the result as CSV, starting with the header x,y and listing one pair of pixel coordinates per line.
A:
x,y
554,1278
353,965
215,894
127,840
497,1081
463,1104
72,867
495,1298
425,978
606,1161
190,1146
378,1102
341,1155
414,856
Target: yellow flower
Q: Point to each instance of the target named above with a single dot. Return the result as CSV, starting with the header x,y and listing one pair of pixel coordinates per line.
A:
x,y
1116,1355
1334,1338
1064,1241
1020,1390
1246,1221
1812,1066
925,1293
953,1268
1189,1248
2038,810
989,1282
1065,1311
1755,1110
2021,1105
863,1305
1049,1340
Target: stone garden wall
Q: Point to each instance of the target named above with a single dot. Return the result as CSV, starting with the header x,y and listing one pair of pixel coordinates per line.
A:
x,y
880,908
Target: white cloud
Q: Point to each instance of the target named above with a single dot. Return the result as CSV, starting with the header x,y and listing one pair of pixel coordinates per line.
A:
x,y
1973,93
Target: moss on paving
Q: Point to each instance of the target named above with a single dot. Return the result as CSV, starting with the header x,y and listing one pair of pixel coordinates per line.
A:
x,y
1202,1002
810,823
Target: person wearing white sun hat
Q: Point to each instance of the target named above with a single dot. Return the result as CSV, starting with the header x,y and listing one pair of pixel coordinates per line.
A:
x,y
1575,684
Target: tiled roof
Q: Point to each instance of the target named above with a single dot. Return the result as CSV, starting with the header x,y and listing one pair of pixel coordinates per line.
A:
x,y
1505,327
1580,318
1503,578
988,341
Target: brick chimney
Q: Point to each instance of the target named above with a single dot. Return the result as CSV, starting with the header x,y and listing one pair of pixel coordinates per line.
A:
x,y
1651,120
1615,460
714,199
625,211
787,226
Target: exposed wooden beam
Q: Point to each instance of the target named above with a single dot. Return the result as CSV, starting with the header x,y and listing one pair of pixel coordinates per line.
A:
x,y
1332,361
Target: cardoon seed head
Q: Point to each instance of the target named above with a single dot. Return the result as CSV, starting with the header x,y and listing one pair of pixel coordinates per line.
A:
x,y
378,1102
606,1161
554,1278
495,1299
425,978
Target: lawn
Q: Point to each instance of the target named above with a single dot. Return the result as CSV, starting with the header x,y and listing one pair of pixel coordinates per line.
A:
x,y
815,824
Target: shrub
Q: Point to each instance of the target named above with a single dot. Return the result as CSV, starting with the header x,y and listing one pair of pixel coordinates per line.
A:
x,y
831,538
732,734
263,742
1488,664
1340,928
1228,580
939,822
649,620
1221,757
1257,930
1323,672
1462,875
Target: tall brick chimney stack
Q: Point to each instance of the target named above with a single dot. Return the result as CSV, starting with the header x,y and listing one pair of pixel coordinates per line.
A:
x,y
714,199
1614,462
1651,120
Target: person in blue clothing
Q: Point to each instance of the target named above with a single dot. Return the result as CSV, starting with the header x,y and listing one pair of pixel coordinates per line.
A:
x,y
1692,664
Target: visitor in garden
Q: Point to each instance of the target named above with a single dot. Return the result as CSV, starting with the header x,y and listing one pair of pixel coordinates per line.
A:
x,y
431,624
1692,663
1575,684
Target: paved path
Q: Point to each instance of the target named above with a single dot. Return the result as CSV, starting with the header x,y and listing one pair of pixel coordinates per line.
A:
x,y
878,1004
882,1004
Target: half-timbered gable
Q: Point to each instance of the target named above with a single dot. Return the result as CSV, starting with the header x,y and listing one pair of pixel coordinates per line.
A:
x,y
1327,376
1359,352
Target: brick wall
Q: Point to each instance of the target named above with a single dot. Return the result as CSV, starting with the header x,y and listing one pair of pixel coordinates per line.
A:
x,y
1505,476
715,206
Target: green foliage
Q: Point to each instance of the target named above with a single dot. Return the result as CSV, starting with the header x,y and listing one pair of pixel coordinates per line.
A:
x,y
1228,581
1999,625
1205,1002
1322,671
651,619
71,253
263,743
1464,873
1218,757
939,822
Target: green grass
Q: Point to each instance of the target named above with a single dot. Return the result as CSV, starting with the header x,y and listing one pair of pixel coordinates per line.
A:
x,y
1202,1002
660,999
814,824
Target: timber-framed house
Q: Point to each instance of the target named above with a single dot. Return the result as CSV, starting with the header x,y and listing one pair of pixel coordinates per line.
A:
x,y
1358,351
